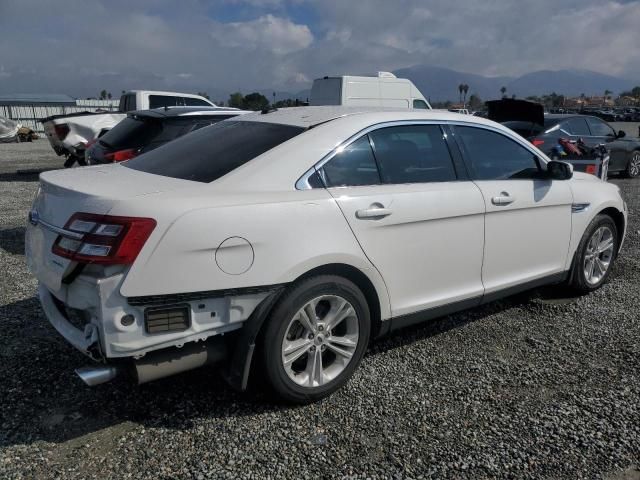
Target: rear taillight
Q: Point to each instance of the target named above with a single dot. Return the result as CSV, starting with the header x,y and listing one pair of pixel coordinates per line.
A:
x,y
104,239
62,131
537,142
591,169
121,155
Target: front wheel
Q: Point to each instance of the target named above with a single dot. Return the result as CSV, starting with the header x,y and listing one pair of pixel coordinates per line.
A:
x,y
633,167
595,255
315,338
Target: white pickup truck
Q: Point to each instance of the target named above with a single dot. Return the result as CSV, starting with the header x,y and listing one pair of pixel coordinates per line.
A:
x,y
69,134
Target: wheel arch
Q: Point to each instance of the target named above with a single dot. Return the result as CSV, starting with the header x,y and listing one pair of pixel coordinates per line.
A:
x,y
618,218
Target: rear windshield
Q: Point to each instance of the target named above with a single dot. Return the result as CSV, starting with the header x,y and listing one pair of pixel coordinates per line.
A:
x,y
524,129
209,153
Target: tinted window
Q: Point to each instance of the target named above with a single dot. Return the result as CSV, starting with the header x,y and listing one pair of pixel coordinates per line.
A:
x,y
599,128
195,102
209,153
493,156
524,129
131,133
576,126
127,102
421,104
159,101
353,166
412,154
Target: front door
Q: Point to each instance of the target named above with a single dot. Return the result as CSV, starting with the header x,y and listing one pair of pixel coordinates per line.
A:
x,y
418,222
528,217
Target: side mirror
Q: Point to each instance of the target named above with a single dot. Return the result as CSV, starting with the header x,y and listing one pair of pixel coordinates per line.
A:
x,y
559,170
621,134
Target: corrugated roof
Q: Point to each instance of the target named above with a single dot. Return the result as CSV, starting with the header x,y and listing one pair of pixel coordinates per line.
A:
x,y
36,98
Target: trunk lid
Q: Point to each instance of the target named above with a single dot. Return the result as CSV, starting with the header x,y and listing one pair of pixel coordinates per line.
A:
x,y
90,189
511,110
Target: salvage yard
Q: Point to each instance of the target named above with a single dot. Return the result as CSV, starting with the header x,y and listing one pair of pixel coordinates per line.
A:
x,y
534,386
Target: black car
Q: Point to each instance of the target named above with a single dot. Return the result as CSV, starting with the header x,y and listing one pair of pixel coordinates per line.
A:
x,y
544,131
145,130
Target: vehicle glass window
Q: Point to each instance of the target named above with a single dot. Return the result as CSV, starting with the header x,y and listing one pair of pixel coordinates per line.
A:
x,y
128,102
599,128
576,126
353,166
131,132
420,104
195,102
412,154
524,129
493,156
159,101
210,153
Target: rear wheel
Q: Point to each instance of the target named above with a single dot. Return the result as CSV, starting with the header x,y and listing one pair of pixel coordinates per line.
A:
x,y
595,255
633,167
315,338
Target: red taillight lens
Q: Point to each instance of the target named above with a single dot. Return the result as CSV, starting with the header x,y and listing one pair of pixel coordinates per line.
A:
x,y
537,142
89,143
591,169
121,155
105,239
61,131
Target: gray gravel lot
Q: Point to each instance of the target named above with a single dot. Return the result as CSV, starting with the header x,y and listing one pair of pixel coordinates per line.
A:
x,y
536,386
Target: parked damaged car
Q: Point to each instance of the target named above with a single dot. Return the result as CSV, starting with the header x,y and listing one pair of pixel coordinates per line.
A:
x,y
280,243
144,130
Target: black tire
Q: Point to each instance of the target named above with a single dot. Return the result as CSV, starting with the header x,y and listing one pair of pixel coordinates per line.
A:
x,y
578,279
278,323
68,163
633,166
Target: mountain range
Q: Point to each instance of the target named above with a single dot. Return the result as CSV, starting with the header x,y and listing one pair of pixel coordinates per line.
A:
x,y
441,84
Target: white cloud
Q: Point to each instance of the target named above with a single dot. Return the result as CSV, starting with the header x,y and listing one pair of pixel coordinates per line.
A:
x,y
278,35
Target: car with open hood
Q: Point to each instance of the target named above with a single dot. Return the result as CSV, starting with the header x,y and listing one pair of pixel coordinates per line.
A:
x,y
278,244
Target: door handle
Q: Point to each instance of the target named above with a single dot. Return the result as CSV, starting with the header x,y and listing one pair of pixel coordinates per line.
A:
x,y
373,213
503,199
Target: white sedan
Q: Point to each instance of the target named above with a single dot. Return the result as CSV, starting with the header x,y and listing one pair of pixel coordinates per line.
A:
x,y
285,241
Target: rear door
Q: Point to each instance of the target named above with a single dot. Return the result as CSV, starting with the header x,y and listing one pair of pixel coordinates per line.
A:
x,y
418,218
528,218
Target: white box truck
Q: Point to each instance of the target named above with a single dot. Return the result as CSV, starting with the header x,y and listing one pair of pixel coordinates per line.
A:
x,y
384,90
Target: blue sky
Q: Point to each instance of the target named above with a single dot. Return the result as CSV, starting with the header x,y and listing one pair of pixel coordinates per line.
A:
x,y
81,46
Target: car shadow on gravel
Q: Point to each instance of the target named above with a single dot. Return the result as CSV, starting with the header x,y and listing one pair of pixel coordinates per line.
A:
x,y
20,177
12,240
43,400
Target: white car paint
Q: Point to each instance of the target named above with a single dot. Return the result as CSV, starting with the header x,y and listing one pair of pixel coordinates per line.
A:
x,y
261,225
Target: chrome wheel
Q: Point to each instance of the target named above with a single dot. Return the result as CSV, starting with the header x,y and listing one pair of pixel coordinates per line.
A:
x,y
320,341
634,165
598,255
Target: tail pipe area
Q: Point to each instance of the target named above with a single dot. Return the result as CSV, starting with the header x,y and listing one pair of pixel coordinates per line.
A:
x,y
160,364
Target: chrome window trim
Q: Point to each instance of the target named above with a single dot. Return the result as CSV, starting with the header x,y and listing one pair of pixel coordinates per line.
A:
x,y
303,181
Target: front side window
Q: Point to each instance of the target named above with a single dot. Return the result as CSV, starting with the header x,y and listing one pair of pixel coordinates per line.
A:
x,y
493,156
353,166
412,154
195,102
210,153
420,104
599,128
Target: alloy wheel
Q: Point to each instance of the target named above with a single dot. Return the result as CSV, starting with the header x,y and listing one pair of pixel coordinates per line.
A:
x,y
634,165
320,341
598,255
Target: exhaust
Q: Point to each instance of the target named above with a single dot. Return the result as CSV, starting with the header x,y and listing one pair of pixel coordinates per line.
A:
x,y
93,376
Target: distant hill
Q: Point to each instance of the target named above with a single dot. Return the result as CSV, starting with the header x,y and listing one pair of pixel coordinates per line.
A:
x,y
441,84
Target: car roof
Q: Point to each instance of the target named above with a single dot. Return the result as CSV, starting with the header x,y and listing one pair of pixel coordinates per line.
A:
x,y
168,112
308,117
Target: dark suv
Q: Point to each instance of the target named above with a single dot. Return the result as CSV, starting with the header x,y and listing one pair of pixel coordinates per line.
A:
x,y
145,130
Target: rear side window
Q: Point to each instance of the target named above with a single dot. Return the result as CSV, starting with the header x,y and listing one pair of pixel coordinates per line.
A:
x,y
599,128
493,156
577,126
195,102
412,154
210,153
159,101
420,104
353,166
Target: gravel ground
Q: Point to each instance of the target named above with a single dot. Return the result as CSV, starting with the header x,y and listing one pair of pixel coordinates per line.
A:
x,y
536,386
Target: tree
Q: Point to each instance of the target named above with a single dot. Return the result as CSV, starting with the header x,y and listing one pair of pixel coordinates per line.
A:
x,y
109,95
203,94
465,90
635,92
236,100
103,95
475,102
255,101
460,89
606,96
503,91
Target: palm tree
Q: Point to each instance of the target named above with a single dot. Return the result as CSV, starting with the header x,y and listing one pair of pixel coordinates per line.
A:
x,y
460,89
606,96
503,91
465,90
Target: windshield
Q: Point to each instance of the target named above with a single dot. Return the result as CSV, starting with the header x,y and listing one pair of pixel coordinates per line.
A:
x,y
211,152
